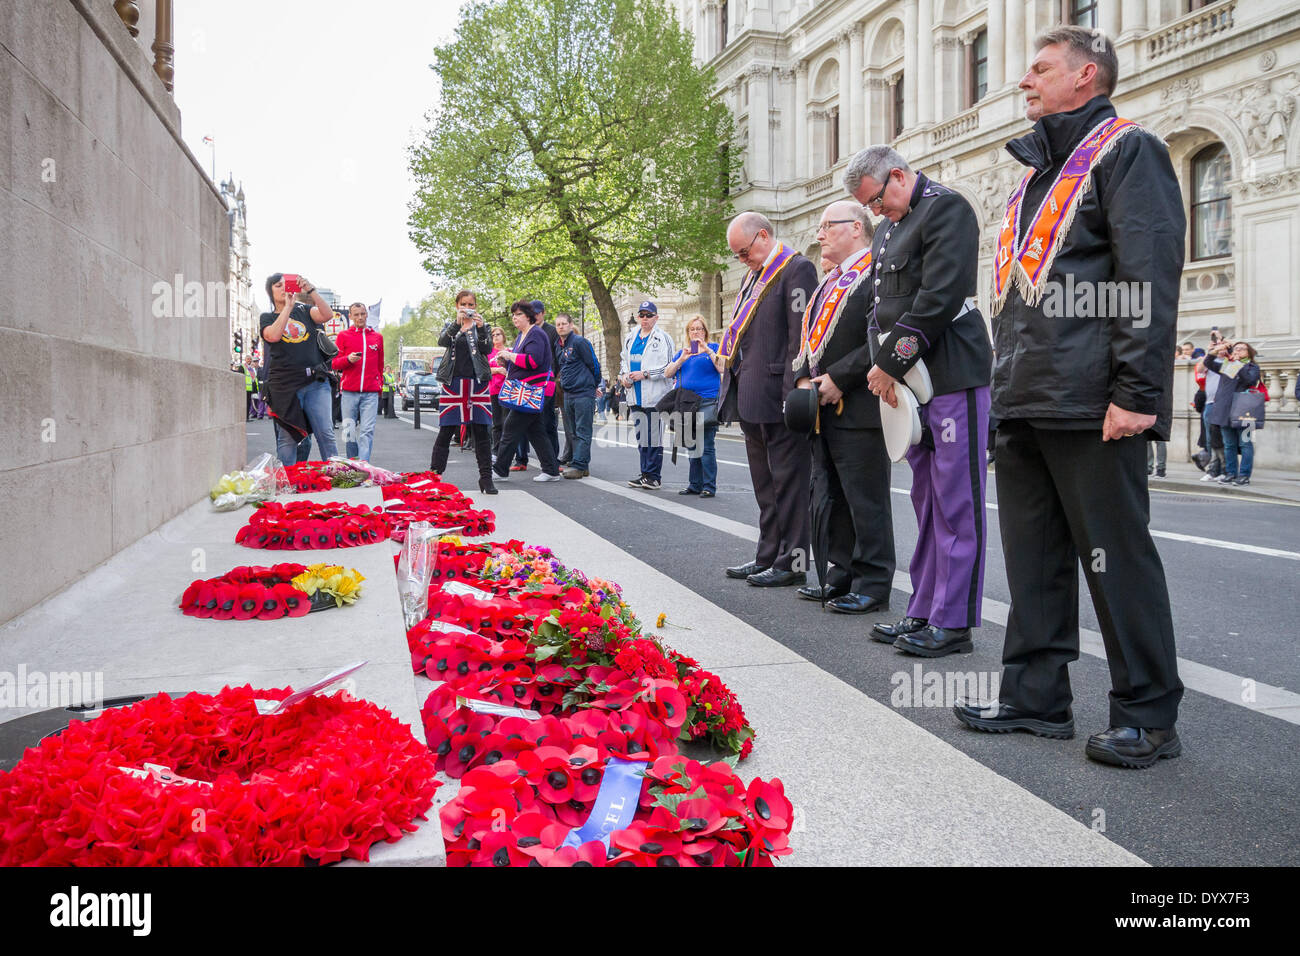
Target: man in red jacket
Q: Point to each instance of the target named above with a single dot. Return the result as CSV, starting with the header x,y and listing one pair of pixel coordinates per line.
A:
x,y
361,360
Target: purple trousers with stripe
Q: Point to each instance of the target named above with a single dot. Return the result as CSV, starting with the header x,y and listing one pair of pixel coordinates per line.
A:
x,y
948,496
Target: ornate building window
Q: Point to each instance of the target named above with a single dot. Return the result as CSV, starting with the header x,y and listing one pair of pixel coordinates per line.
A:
x,y
722,26
1211,205
979,71
1082,13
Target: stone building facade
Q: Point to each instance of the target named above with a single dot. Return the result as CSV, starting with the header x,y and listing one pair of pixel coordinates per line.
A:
x,y
812,83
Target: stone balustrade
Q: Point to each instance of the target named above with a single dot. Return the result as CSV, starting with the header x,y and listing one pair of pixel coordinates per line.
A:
x,y
955,128
1191,30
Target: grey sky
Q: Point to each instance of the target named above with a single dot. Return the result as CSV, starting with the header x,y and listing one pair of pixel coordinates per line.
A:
x,y
312,105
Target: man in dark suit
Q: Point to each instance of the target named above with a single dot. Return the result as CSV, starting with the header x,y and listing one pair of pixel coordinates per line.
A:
x,y
850,466
925,259
759,345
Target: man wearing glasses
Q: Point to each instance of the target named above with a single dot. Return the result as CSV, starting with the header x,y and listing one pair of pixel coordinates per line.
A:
x,y
759,345
850,465
925,261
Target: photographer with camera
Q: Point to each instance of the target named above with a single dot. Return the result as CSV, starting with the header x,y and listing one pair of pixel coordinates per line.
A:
x,y
299,389
465,377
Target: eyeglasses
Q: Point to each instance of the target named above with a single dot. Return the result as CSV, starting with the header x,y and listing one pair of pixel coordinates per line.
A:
x,y
645,315
880,196
834,222
744,253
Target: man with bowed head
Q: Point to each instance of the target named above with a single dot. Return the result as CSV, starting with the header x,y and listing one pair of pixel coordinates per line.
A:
x,y
759,344
850,465
1077,398
925,261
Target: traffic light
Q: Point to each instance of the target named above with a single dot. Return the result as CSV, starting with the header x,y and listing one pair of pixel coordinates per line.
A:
x,y
239,343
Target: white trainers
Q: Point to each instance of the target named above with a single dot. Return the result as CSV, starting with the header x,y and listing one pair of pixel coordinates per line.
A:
x,y
545,477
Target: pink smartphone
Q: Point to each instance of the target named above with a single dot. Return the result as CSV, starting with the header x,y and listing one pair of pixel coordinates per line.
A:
x,y
291,286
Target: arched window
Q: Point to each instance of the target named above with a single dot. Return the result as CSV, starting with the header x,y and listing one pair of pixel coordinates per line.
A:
x,y
1211,206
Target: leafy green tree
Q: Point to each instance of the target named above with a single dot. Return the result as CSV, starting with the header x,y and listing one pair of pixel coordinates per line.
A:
x,y
576,146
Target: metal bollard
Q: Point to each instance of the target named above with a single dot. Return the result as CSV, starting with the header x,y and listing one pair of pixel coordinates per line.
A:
x,y
416,386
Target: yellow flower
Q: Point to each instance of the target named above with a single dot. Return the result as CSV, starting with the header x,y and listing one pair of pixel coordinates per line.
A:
x,y
661,619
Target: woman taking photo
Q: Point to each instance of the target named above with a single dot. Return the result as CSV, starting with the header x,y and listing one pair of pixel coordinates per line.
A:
x,y
1235,363
528,379
465,401
698,368
299,390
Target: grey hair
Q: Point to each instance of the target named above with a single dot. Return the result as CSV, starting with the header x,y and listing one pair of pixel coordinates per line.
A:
x,y
859,212
874,162
754,221
1086,44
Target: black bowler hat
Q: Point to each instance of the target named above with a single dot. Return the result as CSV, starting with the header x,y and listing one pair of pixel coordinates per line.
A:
x,y
801,410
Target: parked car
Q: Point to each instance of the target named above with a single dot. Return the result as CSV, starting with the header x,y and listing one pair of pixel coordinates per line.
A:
x,y
430,390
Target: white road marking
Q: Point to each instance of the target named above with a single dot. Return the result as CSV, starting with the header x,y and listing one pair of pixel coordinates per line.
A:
x,y
1187,538
1231,688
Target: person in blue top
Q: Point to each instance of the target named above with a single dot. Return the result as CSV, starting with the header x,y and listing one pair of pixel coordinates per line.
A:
x,y
579,373
698,368
646,351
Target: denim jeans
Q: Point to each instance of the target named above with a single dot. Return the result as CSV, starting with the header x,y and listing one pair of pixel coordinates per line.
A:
x,y
317,400
704,467
649,439
1238,440
579,410
359,412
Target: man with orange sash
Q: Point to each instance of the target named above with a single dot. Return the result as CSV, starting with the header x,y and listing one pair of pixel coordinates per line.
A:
x,y
925,260
1080,385
850,465
759,344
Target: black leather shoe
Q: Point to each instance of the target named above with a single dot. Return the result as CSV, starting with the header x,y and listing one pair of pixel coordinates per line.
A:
x,y
1136,747
814,592
745,570
1000,718
688,491
852,603
776,578
888,633
932,641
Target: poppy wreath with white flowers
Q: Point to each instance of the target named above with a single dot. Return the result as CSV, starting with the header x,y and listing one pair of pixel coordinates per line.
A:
x,y
324,780
304,525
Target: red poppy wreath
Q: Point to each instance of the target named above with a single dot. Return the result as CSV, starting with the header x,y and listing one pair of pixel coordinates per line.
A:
x,y
302,525
267,594
206,780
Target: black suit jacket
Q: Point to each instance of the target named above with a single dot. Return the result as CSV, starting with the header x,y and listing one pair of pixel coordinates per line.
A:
x,y
762,373
847,360
927,265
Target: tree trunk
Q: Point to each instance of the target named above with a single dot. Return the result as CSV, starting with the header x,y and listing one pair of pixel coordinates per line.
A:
x,y
610,326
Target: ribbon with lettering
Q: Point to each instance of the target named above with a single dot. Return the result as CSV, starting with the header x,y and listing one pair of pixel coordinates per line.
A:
x,y
745,306
1027,265
815,333
615,805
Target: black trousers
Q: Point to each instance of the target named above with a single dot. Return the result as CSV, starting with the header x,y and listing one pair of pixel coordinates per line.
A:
x,y
442,444
570,429
552,425
498,421
528,426
850,477
1066,496
780,465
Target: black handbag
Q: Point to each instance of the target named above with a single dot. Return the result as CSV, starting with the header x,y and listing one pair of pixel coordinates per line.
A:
x,y
1247,409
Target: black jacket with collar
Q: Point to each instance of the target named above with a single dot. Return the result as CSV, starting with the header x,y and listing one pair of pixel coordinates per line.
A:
x,y
847,360
926,266
762,373
1063,364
